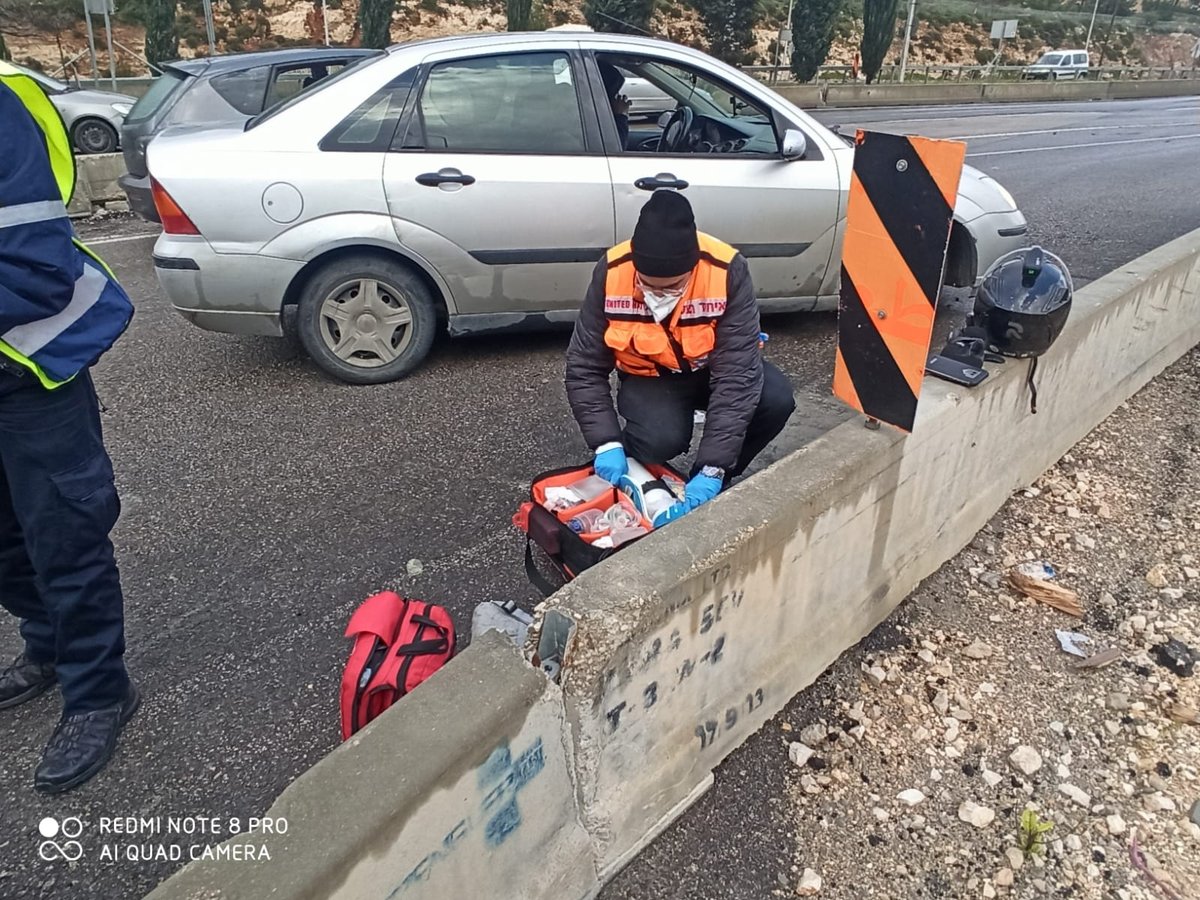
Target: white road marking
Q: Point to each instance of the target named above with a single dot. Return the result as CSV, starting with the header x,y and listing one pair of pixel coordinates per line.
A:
x,y
120,240
1157,140
1005,134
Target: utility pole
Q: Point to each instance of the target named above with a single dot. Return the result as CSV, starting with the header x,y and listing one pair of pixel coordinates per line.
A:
x,y
782,42
325,20
1107,38
912,9
87,17
1087,45
112,59
208,26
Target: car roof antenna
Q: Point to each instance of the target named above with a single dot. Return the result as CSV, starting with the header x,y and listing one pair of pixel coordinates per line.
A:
x,y
631,26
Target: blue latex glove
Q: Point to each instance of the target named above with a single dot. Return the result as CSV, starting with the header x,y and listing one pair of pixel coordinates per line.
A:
x,y
699,491
611,465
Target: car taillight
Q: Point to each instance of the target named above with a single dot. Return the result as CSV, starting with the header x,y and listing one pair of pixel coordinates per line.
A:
x,y
174,220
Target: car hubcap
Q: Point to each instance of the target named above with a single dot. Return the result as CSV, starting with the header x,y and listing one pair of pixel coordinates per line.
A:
x,y
93,138
366,323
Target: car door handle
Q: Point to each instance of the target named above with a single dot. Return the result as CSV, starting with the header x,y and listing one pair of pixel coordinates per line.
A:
x,y
444,176
661,180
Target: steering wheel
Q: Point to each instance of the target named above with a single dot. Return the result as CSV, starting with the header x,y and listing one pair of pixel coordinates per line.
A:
x,y
675,132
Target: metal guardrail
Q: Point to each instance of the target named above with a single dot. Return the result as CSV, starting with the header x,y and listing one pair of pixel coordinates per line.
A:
x,y
919,74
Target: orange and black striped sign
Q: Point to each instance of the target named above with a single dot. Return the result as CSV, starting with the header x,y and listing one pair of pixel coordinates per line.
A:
x,y
902,196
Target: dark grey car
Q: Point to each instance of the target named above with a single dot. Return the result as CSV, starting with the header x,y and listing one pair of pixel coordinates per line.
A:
x,y
219,89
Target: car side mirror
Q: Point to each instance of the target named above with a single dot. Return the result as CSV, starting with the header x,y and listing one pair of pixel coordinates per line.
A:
x,y
794,144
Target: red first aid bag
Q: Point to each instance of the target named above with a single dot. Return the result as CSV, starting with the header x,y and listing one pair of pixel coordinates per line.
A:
x,y
398,643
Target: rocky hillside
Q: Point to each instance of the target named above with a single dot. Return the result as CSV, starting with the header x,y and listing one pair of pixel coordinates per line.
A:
x,y
947,32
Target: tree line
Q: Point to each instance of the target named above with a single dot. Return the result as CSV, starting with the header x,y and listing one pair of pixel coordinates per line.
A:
x,y
729,28
728,24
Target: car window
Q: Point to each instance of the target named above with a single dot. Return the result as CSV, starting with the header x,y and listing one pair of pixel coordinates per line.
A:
x,y
518,103
161,89
1081,59
725,120
244,90
372,125
1050,59
352,68
288,81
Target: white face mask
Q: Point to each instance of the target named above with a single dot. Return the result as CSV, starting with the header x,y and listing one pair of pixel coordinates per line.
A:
x,y
661,302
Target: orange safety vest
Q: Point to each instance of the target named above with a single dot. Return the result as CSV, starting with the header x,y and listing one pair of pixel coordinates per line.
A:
x,y
643,346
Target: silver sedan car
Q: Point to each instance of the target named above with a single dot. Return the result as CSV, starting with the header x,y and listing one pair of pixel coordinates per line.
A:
x,y
472,183
93,118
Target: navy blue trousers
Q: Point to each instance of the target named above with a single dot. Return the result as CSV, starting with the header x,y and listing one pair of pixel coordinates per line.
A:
x,y
58,504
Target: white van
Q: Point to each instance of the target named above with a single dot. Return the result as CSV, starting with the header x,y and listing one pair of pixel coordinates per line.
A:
x,y
1058,65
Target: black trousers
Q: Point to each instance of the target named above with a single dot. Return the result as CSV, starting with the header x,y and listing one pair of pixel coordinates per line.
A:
x,y
659,414
57,506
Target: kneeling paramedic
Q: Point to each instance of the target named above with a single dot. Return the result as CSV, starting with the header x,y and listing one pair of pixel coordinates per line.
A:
x,y
60,309
674,312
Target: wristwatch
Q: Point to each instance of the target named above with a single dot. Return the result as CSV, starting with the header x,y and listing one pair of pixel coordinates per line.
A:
x,y
713,472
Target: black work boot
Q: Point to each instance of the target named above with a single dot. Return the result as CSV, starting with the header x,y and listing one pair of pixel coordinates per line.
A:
x,y
83,744
23,680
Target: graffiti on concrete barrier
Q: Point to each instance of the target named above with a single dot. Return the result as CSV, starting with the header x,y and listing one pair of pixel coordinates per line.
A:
x,y
499,781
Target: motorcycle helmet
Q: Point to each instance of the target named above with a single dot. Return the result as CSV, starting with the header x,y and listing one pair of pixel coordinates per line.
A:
x,y
1023,302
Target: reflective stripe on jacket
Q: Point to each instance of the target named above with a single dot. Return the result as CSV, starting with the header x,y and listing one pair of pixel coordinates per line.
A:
x,y
642,346
61,307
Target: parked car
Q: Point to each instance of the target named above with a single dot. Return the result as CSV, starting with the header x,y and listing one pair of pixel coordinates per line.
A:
x,y
1058,65
209,90
472,183
93,118
645,100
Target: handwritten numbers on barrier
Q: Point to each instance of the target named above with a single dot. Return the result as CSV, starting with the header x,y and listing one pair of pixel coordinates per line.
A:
x,y
650,694
681,659
711,614
710,729
618,713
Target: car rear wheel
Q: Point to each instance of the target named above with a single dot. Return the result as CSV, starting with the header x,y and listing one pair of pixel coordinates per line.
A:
x,y
366,320
94,136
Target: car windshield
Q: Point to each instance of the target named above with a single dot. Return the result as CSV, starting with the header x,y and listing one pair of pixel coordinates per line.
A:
x,y
703,96
50,85
353,65
1050,59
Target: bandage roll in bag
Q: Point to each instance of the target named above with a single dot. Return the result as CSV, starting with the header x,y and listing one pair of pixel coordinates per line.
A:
x,y
650,493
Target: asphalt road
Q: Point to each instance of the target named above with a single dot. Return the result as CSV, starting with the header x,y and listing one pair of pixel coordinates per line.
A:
x,y
262,502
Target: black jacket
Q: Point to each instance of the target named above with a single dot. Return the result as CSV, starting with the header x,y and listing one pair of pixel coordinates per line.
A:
x,y
735,370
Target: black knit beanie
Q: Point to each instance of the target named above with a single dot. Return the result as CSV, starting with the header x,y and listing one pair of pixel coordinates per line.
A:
x,y
664,240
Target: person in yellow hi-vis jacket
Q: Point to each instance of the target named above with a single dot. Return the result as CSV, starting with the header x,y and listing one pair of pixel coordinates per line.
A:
x,y
60,310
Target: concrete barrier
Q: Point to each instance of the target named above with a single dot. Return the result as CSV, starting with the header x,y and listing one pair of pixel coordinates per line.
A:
x,y
133,87
902,94
806,96
674,653
996,92
479,793
1040,90
96,184
1130,90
